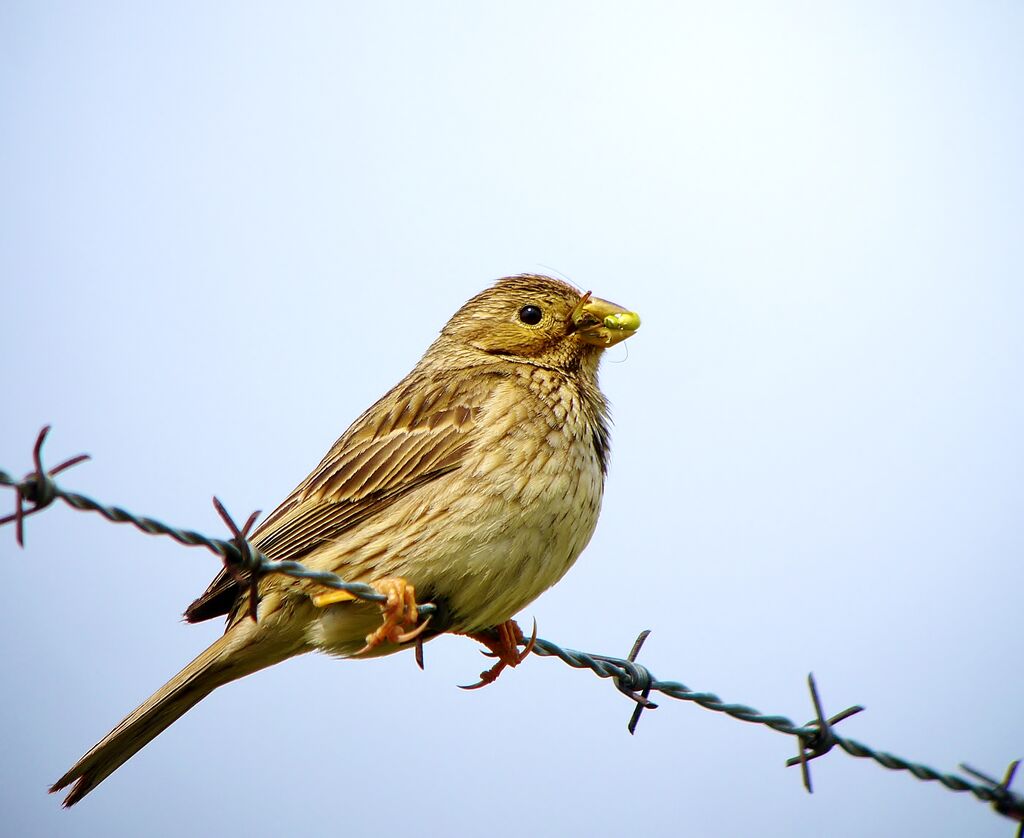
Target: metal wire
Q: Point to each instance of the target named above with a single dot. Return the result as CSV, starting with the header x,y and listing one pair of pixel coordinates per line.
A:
x,y
815,738
38,490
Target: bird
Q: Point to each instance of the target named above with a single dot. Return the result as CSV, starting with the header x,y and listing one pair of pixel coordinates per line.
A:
x,y
473,484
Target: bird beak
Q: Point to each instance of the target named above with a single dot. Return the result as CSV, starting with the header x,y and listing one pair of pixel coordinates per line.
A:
x,y
603,323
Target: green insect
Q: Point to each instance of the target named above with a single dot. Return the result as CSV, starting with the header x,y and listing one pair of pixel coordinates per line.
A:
x,y
623,321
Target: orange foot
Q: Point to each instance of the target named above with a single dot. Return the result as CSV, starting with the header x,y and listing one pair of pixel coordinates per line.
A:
x,y
503,642
399,613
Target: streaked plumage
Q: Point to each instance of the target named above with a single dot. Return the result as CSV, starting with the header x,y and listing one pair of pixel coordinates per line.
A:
x,y
478,479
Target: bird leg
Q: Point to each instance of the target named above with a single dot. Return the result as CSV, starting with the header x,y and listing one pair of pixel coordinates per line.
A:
x,y
399,614
503,643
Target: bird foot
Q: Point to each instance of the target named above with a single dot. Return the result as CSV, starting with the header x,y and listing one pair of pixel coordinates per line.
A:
x,y
503,643
399,614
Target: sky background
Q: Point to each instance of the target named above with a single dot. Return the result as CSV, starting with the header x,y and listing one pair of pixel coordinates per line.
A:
x,y
225,229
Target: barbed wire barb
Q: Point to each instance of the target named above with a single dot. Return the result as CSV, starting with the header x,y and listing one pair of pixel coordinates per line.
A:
x,y
637,682
823,739
642,701
37,487
1007,803
248,583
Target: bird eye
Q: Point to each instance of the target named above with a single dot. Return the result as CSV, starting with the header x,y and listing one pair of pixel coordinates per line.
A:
x,y
530,315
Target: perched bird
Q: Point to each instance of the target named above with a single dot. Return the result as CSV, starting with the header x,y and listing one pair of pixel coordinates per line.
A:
x,y
473,484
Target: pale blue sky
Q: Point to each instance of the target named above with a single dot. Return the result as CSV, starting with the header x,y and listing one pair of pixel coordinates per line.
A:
x,y
226,228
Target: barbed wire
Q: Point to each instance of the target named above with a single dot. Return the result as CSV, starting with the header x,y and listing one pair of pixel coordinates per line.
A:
x,y
38,490
238,555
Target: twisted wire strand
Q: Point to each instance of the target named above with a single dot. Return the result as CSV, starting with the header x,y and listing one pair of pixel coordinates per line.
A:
x,y
634,680
250,560
625,672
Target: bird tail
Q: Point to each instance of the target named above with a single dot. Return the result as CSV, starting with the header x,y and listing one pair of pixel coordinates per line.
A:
x,y
239,652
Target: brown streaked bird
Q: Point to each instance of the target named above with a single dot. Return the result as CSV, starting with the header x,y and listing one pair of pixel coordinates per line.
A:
x,y
474,484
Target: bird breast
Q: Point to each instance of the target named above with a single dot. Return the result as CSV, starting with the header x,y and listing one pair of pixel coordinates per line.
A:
x,y
492,535
531,498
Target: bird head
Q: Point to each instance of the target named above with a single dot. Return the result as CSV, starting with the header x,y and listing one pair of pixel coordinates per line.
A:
x,y
541,320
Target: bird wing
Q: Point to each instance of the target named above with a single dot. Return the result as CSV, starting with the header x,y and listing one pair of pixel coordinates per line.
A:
x,y
415,434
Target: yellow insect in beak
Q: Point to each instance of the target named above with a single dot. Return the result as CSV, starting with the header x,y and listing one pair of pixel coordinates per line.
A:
x,y
603,323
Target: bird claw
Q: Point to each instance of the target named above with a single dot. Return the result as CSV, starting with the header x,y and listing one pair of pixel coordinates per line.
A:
x,y
502,642
400,612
